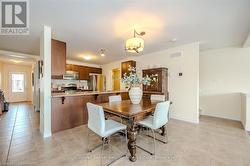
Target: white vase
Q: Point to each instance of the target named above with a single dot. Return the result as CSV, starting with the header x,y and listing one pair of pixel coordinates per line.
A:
x,y
135,95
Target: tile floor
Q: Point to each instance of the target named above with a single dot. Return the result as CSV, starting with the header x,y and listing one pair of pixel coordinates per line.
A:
x,y
214,142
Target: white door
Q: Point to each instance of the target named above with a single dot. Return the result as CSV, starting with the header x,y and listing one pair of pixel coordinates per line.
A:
x,y
17,87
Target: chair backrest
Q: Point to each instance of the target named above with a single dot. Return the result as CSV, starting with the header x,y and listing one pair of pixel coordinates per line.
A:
x,y
96,119
115,98
161,114
157,98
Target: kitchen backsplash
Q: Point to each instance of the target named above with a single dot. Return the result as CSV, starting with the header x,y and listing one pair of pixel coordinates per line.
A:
x,y
61,83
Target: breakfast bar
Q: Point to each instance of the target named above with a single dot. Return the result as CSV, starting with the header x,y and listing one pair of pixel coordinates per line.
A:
x,y
69,109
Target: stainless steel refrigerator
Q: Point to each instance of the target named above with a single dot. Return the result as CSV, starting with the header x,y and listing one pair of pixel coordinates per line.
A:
x,y
97,82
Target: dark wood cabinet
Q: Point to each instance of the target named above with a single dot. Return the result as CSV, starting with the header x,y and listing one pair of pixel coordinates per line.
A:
x,y
58,58
125,66
160,85
84,71
95,70
71,111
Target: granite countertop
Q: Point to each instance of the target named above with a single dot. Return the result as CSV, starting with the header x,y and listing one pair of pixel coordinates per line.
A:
x,y
70,94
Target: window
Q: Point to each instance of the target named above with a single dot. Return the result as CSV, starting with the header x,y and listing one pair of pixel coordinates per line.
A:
x,y
17,81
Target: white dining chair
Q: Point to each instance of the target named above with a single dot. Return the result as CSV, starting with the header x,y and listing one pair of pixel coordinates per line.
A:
x,y
157,121
115,98
103,128
157,98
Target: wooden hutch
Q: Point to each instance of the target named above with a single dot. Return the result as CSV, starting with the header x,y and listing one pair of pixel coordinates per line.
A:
x,y
160,86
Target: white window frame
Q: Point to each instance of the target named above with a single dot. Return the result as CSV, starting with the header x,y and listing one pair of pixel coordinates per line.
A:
x,y
24,82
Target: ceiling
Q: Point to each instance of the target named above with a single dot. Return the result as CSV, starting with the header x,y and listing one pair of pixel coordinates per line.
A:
x,y
17,58
89,25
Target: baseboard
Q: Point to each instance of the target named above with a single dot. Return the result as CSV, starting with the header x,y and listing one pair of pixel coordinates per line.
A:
x,y
220,116
185,120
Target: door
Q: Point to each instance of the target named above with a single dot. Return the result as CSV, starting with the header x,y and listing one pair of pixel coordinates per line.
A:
x,y
116,79
17,87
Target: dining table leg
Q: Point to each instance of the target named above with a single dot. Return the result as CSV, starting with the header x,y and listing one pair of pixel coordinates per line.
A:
x,y
132,132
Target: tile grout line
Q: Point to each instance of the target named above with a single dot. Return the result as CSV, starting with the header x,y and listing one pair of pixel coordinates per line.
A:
x,y
11,136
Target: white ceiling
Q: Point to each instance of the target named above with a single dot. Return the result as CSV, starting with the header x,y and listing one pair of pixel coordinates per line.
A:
x,y
17,58
89,25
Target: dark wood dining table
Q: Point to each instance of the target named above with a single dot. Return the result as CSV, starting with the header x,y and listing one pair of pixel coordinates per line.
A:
x,y
132,113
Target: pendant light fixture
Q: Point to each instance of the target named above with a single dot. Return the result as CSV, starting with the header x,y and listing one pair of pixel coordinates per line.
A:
x,y
135,44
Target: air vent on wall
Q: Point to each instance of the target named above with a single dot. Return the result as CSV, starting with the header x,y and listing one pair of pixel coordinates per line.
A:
x,y
176,55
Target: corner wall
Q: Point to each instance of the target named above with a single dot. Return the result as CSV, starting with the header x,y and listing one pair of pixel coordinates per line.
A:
x,y
184,90
224,73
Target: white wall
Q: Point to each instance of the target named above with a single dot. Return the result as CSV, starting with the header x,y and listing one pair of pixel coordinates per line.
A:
x,y
45,83
224,73
184,91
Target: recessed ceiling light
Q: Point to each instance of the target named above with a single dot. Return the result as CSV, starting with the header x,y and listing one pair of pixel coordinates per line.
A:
x,y
16,61
102,54
87,57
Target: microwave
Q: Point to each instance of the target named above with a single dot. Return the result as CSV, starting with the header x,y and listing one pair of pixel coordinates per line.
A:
x,y
71,75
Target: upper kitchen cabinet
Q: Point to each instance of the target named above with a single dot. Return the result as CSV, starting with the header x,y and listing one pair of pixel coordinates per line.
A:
x,y
83,71
58,58
70,67
95,70
125,66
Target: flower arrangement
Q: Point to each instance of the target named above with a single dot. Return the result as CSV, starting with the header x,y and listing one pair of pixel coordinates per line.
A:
x,y
133,80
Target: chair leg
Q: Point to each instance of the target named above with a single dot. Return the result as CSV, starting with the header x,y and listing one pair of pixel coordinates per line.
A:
x,y
103,142
165,140
146,149
88,138
123,155
154,141
97,146
166,134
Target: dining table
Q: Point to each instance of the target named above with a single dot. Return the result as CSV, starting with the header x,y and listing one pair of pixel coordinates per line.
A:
x,y
131,113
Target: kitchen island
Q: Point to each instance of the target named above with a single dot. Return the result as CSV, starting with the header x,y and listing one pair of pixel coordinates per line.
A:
x,y
69,109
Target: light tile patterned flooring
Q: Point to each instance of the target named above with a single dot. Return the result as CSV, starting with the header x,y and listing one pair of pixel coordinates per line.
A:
x,y
214,142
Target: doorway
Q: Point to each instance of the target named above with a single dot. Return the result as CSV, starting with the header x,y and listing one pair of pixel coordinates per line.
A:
x,y
17,86
116,79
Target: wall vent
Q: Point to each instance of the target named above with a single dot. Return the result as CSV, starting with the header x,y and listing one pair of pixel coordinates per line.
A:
x,y
175,54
